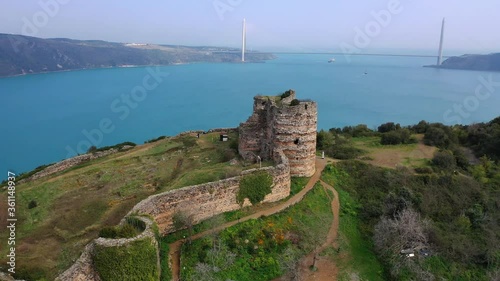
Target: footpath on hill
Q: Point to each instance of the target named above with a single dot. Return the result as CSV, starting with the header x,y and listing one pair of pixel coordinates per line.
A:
x,y
174,253
325,267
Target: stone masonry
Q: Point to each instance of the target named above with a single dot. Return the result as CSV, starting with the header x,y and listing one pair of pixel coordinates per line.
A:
x,y
83,269
277,125
277,131
206,200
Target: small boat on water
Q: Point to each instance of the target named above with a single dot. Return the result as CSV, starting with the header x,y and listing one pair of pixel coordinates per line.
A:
x,y
331,60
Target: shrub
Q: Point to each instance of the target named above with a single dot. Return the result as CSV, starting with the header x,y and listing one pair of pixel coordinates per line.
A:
x,y
254,187
338,146
423,170
131,228
324,140
360,130
460,158
108,232
233,144
92,149
345,152
295,102
402,136
440,136
444,159
387,127
286,94
390,138
116,146
32,204
155,140
420,128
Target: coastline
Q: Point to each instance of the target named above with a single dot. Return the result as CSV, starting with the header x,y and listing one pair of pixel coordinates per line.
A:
x,y
460,69
93,68
130,66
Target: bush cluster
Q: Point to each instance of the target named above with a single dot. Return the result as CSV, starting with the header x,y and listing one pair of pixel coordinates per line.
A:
x,y
461,213
398,136
254,187
286,94
337,145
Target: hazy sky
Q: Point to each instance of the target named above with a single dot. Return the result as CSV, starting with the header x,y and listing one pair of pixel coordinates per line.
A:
x,y
291,25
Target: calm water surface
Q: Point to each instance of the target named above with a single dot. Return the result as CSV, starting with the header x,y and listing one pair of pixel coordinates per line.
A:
x,y
48,117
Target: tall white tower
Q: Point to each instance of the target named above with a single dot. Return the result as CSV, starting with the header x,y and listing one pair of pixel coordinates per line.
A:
x,y
440,54
243,43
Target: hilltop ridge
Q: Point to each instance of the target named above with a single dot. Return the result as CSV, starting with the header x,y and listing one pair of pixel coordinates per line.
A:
x,y
490,62
21,55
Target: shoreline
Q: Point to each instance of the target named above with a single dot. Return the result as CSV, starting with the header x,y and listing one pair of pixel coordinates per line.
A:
x,y
126,66
94,68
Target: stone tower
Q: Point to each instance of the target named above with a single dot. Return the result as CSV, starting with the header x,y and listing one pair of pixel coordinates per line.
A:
x,y
277,124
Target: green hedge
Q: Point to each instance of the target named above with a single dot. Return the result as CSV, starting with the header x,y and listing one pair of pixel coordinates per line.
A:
x,y
134,262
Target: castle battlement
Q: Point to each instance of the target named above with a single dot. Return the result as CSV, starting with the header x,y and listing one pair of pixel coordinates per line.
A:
x,y
277,124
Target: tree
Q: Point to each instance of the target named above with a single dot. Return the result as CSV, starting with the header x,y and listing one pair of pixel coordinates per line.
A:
x,y
255,187
387,127
182,219
92,149
390,138
437,136
401,136
407,230
290,264
218,258
421,127
444,159
324,140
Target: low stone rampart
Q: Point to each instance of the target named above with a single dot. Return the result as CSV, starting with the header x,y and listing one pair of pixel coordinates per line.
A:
x,y
83,269
200,202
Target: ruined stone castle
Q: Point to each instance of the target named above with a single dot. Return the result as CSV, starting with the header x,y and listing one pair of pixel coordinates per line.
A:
x,y
279,124
281,129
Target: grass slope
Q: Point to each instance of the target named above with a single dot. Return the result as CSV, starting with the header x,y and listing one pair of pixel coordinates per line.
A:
x,y
354,257
259,247
73,205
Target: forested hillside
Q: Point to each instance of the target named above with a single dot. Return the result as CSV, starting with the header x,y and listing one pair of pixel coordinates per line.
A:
x,y
437,219
25,55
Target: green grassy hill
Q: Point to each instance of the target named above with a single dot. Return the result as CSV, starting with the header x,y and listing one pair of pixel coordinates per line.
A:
x,y
73,205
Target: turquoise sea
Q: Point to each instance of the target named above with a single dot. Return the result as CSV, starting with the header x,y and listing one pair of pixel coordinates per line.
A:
x,y
48,117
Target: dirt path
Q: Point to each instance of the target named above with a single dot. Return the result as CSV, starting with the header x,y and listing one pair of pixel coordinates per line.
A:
x,y
326,270
174,254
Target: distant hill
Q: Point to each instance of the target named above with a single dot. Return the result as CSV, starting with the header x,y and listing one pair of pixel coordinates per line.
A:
x,y
489,62
24,55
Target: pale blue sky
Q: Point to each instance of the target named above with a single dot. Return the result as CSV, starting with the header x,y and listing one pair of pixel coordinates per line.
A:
x,y
292,25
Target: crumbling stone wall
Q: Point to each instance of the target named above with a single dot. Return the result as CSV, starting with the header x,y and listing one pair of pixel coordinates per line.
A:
x,y
83,269
203,201
277,125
